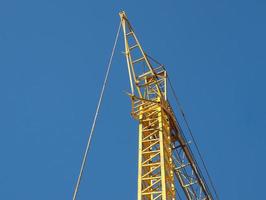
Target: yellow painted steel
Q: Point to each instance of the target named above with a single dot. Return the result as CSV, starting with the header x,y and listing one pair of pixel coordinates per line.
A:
x,y
165,162
155,176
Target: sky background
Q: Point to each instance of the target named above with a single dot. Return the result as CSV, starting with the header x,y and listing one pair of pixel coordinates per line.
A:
x,y
53,56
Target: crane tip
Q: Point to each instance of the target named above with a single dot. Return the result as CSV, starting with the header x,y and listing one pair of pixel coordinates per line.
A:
x,y
122,14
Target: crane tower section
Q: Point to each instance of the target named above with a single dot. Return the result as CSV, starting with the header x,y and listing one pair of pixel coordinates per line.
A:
x,y
166,165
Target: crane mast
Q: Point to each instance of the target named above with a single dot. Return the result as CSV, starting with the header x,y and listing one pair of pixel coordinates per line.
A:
x,y
166,165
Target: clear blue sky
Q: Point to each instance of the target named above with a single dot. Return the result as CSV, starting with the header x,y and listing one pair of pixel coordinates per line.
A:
x,y
53,55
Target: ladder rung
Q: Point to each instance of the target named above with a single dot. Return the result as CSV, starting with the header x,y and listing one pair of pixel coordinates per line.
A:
x,y
133,47
138,60
129,33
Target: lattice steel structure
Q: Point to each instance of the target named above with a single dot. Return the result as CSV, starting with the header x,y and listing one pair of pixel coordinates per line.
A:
x,y
166,164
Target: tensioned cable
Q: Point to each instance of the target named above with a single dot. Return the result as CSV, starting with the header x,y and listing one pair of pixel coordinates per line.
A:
x,y
194,141
188,127
95,116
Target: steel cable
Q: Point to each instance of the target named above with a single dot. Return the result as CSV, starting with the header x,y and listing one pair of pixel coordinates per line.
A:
x,y
192,137
95,116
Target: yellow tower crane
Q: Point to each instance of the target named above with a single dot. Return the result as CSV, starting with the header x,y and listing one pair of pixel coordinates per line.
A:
x,y
167,168
166,164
